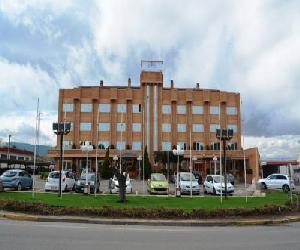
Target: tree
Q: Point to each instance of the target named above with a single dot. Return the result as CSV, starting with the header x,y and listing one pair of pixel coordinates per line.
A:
x,y
147,166
106,170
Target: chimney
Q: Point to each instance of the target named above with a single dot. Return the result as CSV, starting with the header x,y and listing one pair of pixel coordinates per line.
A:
x,y
197,85
172,84
129,82
101,83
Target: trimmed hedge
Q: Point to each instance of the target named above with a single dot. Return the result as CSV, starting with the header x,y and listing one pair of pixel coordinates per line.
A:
x,y
39,208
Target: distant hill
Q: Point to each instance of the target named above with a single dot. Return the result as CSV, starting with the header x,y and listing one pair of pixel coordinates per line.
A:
x,y
41,149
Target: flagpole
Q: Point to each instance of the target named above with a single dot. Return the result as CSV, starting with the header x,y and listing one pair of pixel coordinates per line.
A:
x,y
96,168
63,147
220,153
244,156
35,143
191,191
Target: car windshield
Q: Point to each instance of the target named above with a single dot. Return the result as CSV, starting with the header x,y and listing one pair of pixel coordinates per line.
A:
x,y
158,177
186,177
90,177
9,173
54,175
218,179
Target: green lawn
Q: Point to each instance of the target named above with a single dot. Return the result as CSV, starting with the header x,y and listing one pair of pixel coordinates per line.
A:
x,y
211,202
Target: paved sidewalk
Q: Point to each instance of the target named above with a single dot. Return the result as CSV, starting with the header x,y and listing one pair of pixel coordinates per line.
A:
x,y
149,222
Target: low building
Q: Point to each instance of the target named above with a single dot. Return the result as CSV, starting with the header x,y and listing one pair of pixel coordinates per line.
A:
x,y
128,119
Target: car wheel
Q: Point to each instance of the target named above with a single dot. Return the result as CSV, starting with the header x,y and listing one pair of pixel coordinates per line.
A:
x,y
214,191
263,186
285,188
205,191
73,188
66,188
19,187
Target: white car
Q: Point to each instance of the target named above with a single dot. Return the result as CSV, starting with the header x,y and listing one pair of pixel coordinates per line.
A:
x,y
67,181
213,184
114,185
276,181
185,183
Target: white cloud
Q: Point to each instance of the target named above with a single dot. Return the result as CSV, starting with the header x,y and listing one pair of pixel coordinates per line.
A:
x,y
285,147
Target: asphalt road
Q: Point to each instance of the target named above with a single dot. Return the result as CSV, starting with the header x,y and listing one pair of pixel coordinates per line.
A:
x,y
24,235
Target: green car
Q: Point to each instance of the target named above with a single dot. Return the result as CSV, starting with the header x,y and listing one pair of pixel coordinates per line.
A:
x,y
157,184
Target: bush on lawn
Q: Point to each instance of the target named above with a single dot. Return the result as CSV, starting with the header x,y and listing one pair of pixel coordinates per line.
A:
x,y
44,175
39,208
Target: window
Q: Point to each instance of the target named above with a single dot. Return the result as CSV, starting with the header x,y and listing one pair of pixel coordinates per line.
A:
x,y
85,107
198,128
233,127
281,177
3,156
121,108
182,145
214,110
136,145
72,126
136,108
120,126
85,126
232,146
166,109
197,110
214,127
103,144
215,146
166,146
67,144
104,126
136,127
198,146
68,107
181,127
21,158
166,127
120,145
181,109
231,110
104,107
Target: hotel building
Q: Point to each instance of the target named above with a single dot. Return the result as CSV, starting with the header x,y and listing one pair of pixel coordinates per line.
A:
x,y
129,118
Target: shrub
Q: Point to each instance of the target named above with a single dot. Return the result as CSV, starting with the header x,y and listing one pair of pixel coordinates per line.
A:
x,y
44,175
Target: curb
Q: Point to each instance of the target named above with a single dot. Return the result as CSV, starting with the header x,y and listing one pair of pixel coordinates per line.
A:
x,y
187,223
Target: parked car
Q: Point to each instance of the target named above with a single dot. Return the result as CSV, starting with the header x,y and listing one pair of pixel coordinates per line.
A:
x,y
80,183
185,183
1,186
157,184
114,185
230,178
17,179
214,184
67,181
276,181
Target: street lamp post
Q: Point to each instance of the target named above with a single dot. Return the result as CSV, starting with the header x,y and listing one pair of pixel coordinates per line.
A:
x,y
191,172
224,135
215,164
178,152
61,128
139,160
86,147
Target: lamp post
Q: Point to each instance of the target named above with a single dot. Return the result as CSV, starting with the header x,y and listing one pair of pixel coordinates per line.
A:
x,y
178,152
224,135
139,160
215,164
191,172
86,147
61,128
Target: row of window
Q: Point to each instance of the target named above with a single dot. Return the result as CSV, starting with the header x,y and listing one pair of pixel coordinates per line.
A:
x,y
137,108
15,157
166,145
166,127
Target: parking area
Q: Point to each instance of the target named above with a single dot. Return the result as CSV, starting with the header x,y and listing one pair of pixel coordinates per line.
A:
x,y
139,188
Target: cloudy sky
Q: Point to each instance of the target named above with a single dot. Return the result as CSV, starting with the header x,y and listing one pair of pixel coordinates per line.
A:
x,y
251,47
